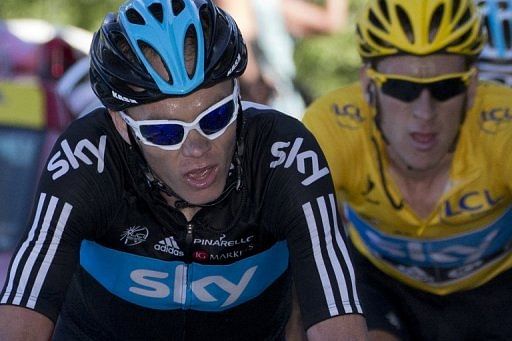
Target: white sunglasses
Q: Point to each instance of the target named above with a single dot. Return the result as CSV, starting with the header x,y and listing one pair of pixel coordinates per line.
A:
x,y
170,134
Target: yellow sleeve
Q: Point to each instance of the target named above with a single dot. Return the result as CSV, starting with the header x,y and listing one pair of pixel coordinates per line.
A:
x,y
329,118
507,156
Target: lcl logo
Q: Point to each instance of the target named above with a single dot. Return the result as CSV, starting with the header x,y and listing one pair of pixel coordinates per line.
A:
x,y
495,120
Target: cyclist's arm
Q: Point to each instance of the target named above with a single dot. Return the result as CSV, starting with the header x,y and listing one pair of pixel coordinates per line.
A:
x,y
70,204
295,328
349,327
346,327
22,324
303,206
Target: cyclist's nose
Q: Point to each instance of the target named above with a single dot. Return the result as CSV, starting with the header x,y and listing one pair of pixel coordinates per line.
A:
x,y
195,144
423,106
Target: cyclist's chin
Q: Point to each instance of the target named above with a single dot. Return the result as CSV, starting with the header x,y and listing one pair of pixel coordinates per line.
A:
x,y
423,162
203,193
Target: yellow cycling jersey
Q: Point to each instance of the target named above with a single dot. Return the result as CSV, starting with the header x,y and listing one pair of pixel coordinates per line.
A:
x,y
467,239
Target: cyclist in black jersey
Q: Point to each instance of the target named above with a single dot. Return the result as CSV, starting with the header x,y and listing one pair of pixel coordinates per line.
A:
x,y
179,212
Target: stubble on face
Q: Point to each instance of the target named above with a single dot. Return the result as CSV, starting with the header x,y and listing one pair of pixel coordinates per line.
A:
x,y
420,134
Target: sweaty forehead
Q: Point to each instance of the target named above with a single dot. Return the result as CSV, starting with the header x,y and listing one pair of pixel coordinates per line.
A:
x,y
183,108
425,66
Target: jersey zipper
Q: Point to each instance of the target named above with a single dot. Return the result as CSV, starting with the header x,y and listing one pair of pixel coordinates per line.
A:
x,y
189,238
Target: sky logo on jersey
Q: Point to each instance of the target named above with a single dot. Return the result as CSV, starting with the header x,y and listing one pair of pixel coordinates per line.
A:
x,y
171,285
448,253
61,165
288,158
169,245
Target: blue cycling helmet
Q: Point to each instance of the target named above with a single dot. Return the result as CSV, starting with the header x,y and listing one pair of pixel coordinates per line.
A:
x,y
123,51
495,62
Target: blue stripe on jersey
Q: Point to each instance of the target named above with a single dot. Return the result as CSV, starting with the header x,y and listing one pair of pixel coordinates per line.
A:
x,y
164,285
489,242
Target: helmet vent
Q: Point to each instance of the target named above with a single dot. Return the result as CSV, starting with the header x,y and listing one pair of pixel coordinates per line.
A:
x,y
134,17
156,61
435,22
157,11
405,23
123,46
190,47
177,6
374,20
384,9
465,18
377,40
463,38
204,14
455,7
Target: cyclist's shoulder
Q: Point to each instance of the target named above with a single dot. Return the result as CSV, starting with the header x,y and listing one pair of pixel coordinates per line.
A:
x,y
95,123
263,121
492,94
325,105
491,114
487,129
89,151
340,113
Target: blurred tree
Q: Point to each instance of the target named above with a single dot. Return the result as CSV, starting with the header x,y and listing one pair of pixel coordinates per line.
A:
x,y
86,14
325,63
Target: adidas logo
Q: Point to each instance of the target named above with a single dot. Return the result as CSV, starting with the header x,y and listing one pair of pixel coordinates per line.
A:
x,y
169,245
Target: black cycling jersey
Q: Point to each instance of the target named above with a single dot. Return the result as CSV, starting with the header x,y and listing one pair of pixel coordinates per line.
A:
x,y
106,256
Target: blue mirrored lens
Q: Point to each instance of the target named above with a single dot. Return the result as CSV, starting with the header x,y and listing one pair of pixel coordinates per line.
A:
x,y
163,134
217,119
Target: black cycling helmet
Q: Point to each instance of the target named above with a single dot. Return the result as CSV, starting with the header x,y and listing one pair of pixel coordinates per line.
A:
x,y
122,75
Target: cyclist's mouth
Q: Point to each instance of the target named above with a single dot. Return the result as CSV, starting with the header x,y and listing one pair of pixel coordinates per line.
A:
x,y
423,141
201,178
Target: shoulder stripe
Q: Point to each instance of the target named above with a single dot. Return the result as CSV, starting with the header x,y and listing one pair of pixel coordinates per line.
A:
x,y
337,288
48,259
317,253
346,257
23,249
33,248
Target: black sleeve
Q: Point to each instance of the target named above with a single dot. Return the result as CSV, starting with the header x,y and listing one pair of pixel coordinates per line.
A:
x,y
302,208
71,199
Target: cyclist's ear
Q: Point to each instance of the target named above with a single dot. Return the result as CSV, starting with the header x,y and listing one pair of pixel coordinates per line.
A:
x,y
370,93
367,85
120,124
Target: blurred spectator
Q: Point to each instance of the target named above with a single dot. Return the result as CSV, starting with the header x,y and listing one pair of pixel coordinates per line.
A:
x,y
75,89
55,57
16,55
254,86
269,28
495,62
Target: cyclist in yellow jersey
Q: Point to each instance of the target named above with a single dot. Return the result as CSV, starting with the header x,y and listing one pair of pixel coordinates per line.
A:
x,y
421,155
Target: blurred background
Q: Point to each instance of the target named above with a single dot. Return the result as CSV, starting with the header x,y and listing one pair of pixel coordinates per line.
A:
x,y
323,62
44,82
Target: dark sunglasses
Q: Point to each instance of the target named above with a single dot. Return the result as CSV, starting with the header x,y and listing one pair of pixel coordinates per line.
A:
x,y
170,134
407,88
